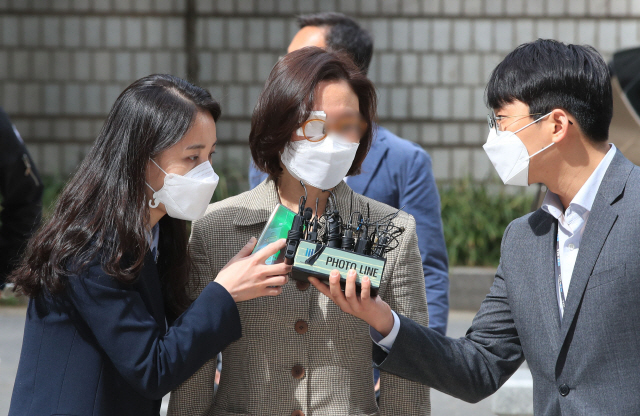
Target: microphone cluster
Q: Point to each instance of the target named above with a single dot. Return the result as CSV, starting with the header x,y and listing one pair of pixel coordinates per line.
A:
x,y
318,245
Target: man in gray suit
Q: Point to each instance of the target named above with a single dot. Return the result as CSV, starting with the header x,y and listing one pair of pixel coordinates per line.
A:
x,y
566,293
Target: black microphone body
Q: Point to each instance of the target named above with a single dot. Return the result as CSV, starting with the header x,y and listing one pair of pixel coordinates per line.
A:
x,y
333,225
348,242
293,238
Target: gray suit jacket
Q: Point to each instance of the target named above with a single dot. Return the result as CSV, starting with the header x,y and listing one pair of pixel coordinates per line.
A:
x,y
586,364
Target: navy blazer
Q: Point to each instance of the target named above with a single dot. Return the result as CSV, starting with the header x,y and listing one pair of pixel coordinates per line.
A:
x,y
398,172
104,348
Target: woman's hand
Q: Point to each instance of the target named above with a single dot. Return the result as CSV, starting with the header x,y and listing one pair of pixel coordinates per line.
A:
x,y
373,311
247,277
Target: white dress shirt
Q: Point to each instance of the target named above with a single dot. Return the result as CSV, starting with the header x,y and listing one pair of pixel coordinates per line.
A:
x,y
571,223
386,342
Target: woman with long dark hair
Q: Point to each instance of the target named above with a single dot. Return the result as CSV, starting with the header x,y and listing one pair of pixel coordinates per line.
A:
x,y
110,329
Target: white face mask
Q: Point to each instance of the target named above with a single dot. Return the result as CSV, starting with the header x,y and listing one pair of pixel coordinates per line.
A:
x,y
510,156
321,164
186,197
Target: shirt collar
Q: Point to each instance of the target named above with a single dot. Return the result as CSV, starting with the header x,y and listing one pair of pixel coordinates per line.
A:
x,y
153,237
552,205
587,193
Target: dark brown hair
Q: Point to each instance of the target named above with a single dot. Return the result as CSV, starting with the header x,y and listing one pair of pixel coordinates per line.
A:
x,y
287,100
102,211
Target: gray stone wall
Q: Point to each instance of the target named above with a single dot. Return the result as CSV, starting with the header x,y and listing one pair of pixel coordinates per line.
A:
x,y
63,63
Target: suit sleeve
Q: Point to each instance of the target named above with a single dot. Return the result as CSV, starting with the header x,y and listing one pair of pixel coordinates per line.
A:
x,y
151,361
195,396
21,197
404,292
255,176
420,197
470,368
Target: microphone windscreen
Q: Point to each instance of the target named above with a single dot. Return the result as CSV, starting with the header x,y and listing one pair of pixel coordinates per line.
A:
x,y
308,213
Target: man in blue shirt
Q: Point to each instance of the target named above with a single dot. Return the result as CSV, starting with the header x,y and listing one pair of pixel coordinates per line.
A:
x,y
396,172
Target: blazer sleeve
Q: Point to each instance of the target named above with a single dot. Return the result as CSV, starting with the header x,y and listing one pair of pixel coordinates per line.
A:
x,y
420,197
151,361
405,294
195,396
470,368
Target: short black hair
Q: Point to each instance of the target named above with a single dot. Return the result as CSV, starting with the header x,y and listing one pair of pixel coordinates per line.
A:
x,y
343,35
548,74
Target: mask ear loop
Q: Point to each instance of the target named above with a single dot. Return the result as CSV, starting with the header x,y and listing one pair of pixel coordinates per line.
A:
x,y
542,150
153,203
533,122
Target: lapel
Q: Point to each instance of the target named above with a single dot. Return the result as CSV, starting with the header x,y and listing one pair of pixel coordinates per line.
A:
x,y
257,205
371,163
545,227
601,219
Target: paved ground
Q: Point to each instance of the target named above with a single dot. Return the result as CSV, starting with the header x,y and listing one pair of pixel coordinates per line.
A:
x,y
12,323
441,404
11,327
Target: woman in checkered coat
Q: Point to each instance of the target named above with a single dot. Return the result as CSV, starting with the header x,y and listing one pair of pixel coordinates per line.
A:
x,y
299,354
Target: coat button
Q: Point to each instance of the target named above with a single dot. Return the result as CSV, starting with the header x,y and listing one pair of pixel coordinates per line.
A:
x,y
302,285
564,389
297,413
297,372
301,327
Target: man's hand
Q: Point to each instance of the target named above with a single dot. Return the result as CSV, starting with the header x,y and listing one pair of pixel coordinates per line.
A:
x,y
373,311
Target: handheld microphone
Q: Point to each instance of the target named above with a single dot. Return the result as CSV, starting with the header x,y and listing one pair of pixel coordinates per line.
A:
x,y
361,245
382,245
293,239
348,242
297,232
312,235
308,213
313,231
333,225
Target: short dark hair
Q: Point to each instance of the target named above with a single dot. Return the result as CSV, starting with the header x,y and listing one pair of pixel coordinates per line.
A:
x,y
288,97
343,35
548,74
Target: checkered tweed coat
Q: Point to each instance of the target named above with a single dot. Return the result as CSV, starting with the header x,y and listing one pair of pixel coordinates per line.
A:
x,y
334,353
